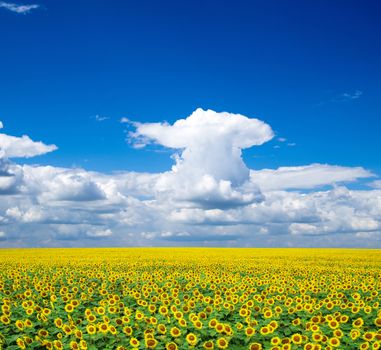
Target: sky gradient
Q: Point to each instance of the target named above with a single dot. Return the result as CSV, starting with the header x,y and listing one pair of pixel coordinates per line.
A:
x,y
106,83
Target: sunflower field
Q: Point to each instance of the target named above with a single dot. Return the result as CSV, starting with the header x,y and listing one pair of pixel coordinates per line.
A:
x,y
190,298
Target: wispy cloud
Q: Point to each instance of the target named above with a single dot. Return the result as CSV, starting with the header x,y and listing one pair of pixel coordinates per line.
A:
x,y
100,118
351,96
343,97
18,8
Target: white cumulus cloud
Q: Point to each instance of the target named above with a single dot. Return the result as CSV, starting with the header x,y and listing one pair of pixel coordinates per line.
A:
x,y
211,143
22,147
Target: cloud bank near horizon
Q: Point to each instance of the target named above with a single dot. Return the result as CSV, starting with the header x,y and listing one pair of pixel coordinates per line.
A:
x,y
209,197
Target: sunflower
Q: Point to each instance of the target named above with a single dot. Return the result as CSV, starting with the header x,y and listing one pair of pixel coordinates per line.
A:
x,y
112,329
171,346
243,312
175,332
151,343
197,324
273,324
212,323
368,336
74,345
163,310
334,342
57,344
249,331
338,333
19,324
67,329
69,308
20,342
333,324
91,318
5,319
297,338
134,342
161,328
91,329
43,333
222,343
228,330
182,323
219,327
358,322
191,339
208,345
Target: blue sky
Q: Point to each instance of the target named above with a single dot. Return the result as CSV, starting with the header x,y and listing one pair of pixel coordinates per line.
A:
x,y
286,62
310,70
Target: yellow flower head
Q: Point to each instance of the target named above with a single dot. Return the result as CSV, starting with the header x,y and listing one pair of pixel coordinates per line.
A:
x,y
191,339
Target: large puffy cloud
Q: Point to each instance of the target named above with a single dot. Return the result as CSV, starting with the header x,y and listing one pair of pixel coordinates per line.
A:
x,y
210,143
209,168
209,197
